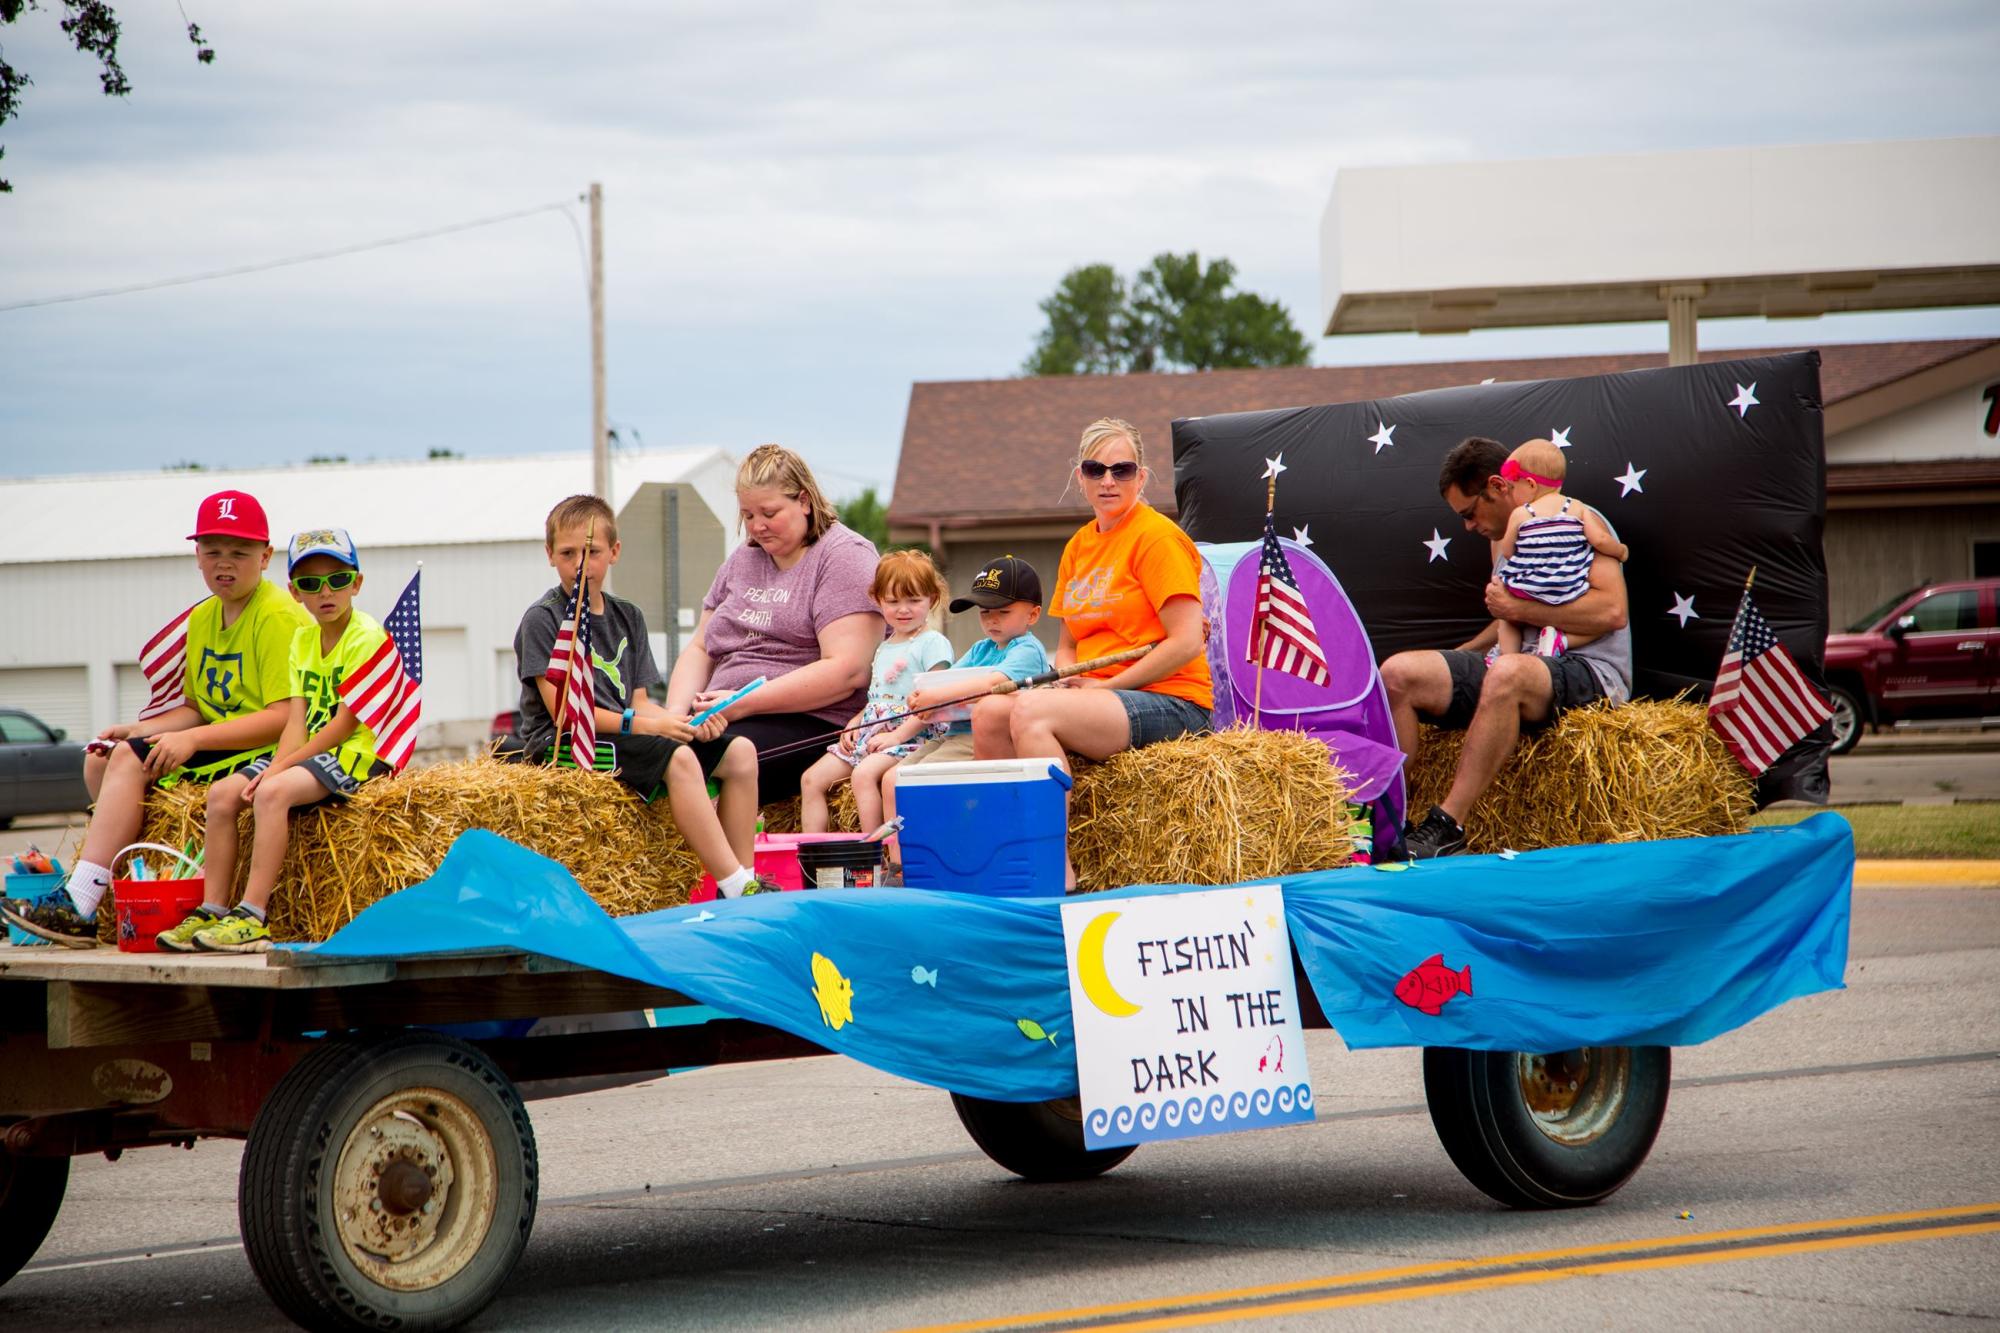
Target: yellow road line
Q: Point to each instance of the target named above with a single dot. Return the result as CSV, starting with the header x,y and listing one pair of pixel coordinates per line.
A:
x,y
1453,1266
1916,874
1533,1277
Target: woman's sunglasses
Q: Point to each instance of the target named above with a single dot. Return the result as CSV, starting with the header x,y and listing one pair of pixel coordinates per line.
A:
x,y
314,582
1094,470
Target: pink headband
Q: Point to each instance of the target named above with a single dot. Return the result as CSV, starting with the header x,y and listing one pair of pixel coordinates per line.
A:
x,y
1512,471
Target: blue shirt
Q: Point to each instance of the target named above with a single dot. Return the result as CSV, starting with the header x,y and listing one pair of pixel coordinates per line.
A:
x,y
1018,660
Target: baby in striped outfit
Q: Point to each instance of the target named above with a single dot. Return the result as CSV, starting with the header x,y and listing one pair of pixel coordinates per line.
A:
x,y
1550,542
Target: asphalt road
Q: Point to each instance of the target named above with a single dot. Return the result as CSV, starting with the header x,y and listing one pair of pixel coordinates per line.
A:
x,y
820,1194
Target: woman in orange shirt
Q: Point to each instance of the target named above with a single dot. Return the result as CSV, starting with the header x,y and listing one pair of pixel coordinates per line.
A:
x,y
1129,577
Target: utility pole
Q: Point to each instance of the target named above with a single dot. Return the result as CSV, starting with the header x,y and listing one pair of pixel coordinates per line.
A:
x,y
600,438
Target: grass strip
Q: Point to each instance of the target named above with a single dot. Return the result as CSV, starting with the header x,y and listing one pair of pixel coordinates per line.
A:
x,y
1967,829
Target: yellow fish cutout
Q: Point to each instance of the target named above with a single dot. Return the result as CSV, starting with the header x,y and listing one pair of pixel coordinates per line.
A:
x,y
834,992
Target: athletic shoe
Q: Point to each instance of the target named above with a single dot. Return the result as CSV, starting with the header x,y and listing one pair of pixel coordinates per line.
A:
x,y
758,884
1551,642
239,932
1438,835
180,939
53,917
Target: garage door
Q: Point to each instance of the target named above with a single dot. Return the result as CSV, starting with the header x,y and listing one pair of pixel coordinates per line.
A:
x,y
59,696
132,691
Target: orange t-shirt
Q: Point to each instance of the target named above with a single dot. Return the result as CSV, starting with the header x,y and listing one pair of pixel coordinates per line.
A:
x,y
1111,585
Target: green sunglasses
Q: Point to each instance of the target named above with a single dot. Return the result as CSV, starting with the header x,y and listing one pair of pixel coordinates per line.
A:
x,y
342,578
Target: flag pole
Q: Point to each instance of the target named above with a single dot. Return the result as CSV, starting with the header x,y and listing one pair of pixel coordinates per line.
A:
x,y
1257,626
582,610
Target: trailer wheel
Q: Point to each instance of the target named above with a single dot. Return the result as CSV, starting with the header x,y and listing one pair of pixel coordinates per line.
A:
x,y
31,1194
1039,1141
1548,1131
389,1182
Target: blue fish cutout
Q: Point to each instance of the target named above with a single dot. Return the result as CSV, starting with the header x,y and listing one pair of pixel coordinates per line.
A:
x,y
924,976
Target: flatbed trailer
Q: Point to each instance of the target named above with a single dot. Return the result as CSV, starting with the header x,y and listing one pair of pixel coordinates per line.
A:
x,y
390,1175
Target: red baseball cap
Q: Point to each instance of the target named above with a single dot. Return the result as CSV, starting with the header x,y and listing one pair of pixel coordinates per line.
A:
x,y
232,514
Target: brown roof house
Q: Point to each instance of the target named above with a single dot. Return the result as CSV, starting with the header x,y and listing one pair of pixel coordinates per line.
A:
x,y
1913,475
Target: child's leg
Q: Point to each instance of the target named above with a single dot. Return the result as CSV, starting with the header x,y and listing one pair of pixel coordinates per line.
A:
x,y
828,772
121,807
225,802
736,808
892,850
94,765
868,776
273,803
1510,637
687,797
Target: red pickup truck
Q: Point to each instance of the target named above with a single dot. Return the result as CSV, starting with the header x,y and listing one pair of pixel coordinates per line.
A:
x,y
1932,652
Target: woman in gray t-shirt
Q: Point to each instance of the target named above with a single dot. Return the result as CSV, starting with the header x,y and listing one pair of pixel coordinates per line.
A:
x,y
791,604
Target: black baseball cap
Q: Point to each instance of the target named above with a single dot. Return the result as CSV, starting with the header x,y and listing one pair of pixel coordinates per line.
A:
x,y
1001,583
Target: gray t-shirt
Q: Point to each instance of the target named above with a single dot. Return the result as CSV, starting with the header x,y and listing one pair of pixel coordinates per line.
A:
x,y
767,620
1609,656
621,659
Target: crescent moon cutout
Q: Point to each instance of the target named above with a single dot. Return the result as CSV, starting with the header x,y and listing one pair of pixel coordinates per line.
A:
x,y
1090,974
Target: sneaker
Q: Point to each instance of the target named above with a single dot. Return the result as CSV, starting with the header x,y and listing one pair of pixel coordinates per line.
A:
x,y
1438,835
1551,642
239,932
759,884
53,917
181,938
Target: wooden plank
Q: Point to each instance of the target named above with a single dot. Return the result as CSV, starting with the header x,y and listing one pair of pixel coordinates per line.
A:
x,y
53,963
89,1013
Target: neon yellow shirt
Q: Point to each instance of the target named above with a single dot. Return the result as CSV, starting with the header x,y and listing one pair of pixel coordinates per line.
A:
x,y
245,668
316,678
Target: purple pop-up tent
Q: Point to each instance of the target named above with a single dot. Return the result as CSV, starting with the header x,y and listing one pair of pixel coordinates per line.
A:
x,y
1350,712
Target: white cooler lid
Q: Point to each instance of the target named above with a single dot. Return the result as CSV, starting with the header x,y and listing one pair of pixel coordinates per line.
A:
x,y
978,770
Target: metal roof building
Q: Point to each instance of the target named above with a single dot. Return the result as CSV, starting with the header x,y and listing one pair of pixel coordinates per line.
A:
x,y
91,566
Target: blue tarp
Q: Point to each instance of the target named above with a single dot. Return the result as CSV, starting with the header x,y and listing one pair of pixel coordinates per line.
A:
x,y
1656,943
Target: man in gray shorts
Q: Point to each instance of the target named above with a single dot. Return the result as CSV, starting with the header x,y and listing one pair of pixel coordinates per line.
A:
x,y
1456,688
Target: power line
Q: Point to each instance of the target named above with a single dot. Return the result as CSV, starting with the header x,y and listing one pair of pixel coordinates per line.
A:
x,y
242,269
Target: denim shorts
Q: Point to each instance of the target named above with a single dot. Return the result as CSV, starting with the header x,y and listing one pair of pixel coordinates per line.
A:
x,y
1154,717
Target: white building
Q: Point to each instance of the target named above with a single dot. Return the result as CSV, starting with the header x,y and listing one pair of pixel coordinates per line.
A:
x,y
92,566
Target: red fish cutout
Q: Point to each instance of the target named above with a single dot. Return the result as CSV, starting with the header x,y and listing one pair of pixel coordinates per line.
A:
x,y
1430,985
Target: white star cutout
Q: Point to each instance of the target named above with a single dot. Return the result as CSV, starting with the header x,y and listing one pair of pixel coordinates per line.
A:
x,y
1299,536
1684,610
1383,437
1630,481
1436,545
1560,438
1488,380
1273,466
1744,400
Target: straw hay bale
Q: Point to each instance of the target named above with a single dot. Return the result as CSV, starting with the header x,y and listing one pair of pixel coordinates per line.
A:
x,y
1217,809
630,857
1641,770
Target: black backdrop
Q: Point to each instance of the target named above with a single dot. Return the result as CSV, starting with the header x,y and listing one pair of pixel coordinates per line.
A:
x,y
1722,483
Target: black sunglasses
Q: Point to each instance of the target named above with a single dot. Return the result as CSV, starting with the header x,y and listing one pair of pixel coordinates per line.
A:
x,y
337,580
1095,470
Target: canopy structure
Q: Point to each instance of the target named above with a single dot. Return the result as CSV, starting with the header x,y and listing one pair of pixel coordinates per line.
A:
x,y
1784,232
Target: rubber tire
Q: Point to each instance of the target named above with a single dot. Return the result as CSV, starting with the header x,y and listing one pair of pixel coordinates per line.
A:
x,y
1845,698
31,1194
298,1134
1034,1140
1488,1131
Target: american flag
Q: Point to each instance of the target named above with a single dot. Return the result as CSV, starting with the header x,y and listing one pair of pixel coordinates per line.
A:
x,y
1762,702
387,693
1281,629
163,662
570,672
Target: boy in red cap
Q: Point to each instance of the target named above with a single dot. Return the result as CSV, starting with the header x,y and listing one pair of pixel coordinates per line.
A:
x,y
236,689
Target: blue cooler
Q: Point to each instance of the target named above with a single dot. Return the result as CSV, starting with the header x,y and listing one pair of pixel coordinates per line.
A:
x,y
21,885
991,826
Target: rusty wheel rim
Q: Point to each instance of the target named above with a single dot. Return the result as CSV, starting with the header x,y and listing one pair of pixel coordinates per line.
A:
x,y
1575,1097
414,1189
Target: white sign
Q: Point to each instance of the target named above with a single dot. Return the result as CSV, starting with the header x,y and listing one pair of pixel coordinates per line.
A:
x,y
1185,1014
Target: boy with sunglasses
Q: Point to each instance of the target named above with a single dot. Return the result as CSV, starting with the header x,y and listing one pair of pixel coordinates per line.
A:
x,y
232,709
325,751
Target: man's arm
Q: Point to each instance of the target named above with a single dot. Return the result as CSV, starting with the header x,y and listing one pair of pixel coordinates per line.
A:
x,y
1597,612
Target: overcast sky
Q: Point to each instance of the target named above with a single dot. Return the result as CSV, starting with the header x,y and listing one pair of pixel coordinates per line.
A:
x,y
807,208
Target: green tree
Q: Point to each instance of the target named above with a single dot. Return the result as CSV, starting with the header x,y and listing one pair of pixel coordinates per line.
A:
x,y
1177,314
867,515
92,28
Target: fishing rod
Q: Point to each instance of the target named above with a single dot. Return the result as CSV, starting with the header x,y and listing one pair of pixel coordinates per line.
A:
x,y
1048,677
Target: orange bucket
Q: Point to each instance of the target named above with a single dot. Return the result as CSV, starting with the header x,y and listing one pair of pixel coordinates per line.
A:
x,y
148,906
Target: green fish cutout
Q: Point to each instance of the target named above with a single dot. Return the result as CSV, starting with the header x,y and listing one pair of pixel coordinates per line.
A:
x,y
1034,1031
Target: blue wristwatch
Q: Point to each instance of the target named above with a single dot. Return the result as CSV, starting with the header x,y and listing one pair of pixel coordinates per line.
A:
x,y
625,724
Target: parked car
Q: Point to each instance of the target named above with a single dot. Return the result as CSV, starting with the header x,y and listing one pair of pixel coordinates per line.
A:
x,y
1931,652
41,771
